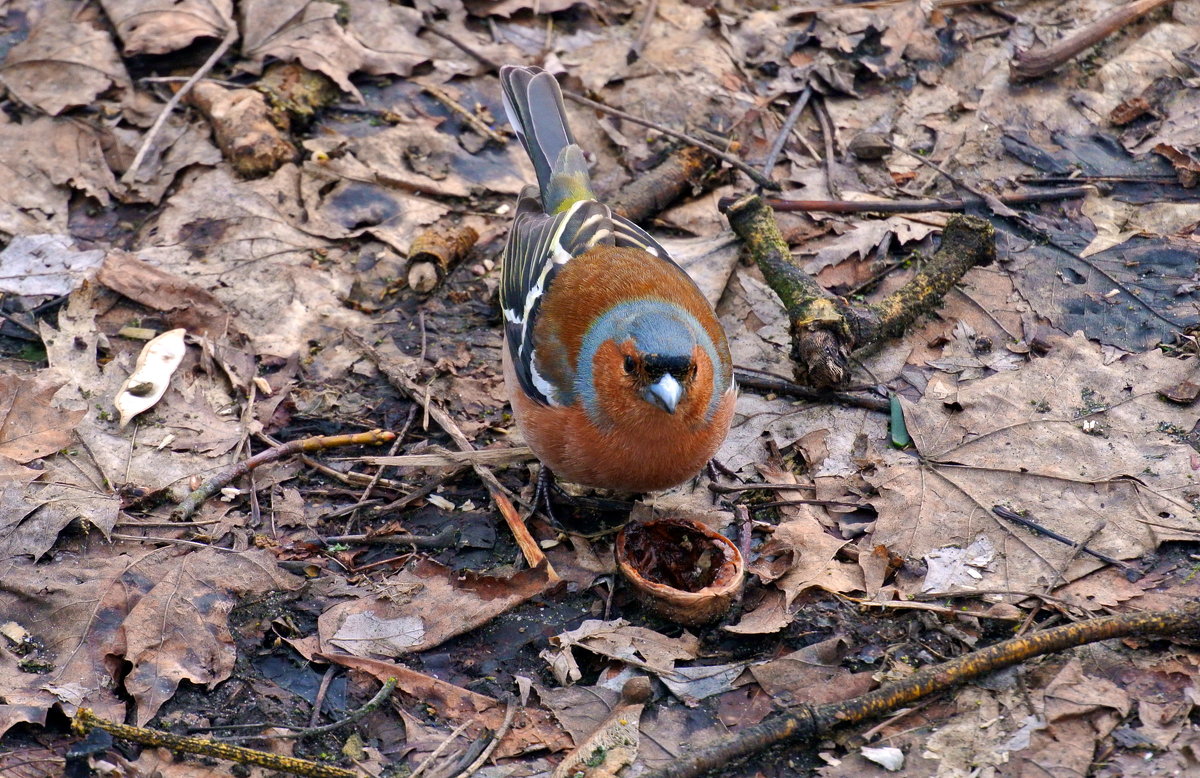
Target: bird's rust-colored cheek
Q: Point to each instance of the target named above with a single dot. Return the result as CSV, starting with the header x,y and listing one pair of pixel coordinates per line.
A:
x,y
614,388
699,394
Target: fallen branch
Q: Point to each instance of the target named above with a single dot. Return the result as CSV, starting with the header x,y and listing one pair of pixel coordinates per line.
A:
x,y
913,206
435,252
1032,63
85,721
806,722
651,192
767,382
825,329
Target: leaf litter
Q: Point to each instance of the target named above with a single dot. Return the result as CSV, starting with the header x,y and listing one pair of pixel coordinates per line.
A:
x,y
1039,385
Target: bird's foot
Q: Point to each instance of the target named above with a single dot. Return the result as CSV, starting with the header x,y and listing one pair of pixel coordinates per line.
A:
x,y
542,494
588,516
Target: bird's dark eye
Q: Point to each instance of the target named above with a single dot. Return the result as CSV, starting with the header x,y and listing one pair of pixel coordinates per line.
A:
x,y
629,364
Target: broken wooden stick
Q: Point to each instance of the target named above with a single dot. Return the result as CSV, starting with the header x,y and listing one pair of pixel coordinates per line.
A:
x,y
652,192
435,252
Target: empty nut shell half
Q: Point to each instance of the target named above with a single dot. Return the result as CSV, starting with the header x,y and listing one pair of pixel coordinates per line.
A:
x,y
681,569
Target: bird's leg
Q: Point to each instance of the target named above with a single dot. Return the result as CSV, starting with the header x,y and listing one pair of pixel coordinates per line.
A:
x,y
541,493
585,514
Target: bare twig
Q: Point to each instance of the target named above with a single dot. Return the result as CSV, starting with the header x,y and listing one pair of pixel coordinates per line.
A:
x,y
227,475
953,612
1011,515
992,201
510,713
151,134
767,382
781,139
422,491
722,489
168,541
369,707
429,760
913,206
417,393
322,691
500,495
476,123
1061,570
439,457
745,537
440,540
185,79
1040,180
827,135
365,497
1033,63
525,541
483,59
639,43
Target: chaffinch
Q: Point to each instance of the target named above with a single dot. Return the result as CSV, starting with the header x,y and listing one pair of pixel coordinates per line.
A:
x,y
618,370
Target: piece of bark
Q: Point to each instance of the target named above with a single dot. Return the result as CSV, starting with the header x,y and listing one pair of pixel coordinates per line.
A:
x,y
242,126
435,252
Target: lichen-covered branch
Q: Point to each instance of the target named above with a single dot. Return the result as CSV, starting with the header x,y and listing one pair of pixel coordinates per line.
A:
x,y
826,329
967,241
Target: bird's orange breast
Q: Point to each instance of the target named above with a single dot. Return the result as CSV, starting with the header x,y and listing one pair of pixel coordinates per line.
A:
x,y
638,447
652,452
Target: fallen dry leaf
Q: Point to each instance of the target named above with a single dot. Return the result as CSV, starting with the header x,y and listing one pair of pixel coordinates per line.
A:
x,y
178,629
48,265
188,305
31,427
45,160
618,639
66,61
532,730
809,554
162,610
1079,711
31,523
163,26
377,37
425,606
1067,438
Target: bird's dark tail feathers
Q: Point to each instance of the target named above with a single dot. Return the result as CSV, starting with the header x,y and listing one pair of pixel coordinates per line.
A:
x,y
535,109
